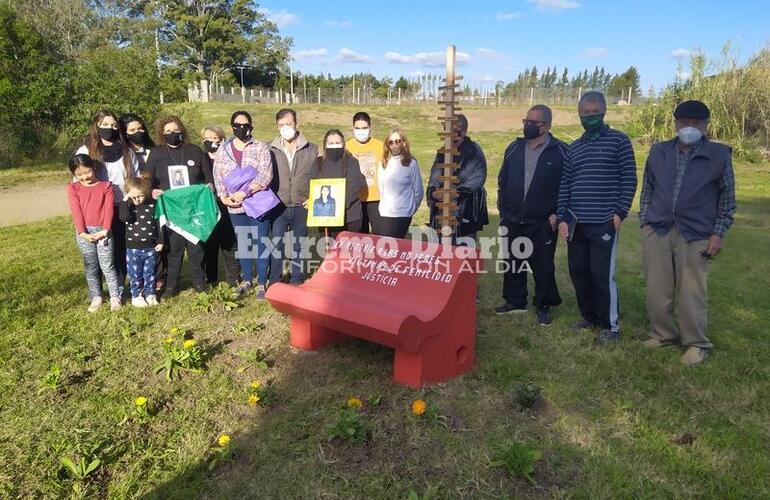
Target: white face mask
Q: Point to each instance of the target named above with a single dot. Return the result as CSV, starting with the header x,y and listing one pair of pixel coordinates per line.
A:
x,y
689,135
288,133
361,134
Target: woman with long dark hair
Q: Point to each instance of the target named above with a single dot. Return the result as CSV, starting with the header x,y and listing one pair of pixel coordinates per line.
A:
x,y
106,144
135,130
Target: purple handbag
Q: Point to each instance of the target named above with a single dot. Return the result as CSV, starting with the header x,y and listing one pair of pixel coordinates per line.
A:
x,y
259,203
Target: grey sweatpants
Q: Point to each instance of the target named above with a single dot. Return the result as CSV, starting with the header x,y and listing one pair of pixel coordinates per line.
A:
x,y
98,256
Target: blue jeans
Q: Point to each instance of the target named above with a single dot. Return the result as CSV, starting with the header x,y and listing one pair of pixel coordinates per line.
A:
x,y
252,235
294,219
140,263
98,256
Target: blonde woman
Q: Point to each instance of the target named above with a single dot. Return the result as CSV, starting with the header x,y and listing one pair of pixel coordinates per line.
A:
x,y
400,185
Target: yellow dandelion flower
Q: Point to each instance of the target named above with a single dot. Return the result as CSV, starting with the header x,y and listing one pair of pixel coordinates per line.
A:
x,y
223,440
189,344
140,401
355,403
168,341
253,400
418,407
255,384
175,330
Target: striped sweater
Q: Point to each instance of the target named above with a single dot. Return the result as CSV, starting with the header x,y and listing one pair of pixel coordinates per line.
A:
x,y
599,178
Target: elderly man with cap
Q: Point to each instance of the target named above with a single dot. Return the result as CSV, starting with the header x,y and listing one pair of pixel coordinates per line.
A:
x,y
687,204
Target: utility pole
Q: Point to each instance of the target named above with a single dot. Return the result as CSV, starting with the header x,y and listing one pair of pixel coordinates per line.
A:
x,y
304,89
291,82
157,59
243,90
354,88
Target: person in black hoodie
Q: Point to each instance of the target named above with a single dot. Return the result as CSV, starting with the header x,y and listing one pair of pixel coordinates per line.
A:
x,y
337,162
528,193
173,150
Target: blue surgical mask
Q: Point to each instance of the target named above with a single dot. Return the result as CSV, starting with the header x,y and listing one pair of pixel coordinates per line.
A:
x,y
689,135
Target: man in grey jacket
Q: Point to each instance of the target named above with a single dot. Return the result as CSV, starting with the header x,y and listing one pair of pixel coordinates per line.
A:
x,y
292,157
686,207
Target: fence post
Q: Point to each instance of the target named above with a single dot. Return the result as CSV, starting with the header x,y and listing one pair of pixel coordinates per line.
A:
x,y
629,95
531,95
319,95
580,93
399,96
204,91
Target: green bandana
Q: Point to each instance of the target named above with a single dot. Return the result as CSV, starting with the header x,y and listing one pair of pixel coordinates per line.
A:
x,y
189,211
593,124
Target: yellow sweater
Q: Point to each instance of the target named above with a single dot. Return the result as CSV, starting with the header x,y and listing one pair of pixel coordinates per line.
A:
x,y
369,156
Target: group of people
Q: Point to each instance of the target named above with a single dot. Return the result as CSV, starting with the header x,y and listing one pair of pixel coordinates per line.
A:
x,y
583,192
120,172
546,189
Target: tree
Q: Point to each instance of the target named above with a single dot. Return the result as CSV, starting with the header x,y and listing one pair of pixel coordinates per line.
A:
x,y
210,37
622,82
34,88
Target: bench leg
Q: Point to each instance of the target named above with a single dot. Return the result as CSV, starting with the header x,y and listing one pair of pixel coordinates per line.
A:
x,y
438,360
312,337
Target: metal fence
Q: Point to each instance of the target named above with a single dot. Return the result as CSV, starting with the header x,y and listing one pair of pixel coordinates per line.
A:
x,y
350,95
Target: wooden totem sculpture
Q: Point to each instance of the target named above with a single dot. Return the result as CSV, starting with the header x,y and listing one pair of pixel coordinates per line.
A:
x,y
446,220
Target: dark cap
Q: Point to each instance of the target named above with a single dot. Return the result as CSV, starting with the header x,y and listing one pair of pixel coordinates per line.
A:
x,y
694,110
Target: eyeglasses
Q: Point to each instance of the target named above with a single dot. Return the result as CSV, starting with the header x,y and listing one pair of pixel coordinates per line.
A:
x,y
393,142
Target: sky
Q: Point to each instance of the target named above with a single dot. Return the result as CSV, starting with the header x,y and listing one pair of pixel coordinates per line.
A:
x,y
496,40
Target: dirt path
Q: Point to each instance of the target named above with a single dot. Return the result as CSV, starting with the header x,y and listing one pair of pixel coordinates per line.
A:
x,y
19,205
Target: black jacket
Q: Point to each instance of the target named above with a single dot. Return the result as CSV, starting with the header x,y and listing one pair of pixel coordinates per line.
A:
x,y
543,194
161,157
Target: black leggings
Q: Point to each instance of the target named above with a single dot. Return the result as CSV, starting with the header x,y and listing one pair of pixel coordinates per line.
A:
x,y
396,227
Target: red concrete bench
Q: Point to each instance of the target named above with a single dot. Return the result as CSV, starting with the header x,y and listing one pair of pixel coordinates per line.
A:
x,y
420,304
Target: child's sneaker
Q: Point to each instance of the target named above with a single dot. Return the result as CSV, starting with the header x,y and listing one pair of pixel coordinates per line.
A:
x,y
243,288
151,300
115,304
138,302
260,292
96,303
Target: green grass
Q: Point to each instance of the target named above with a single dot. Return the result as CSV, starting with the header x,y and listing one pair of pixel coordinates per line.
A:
x,y
609,424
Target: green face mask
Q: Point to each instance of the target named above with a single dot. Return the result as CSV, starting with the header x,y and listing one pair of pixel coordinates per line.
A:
x,y
593,123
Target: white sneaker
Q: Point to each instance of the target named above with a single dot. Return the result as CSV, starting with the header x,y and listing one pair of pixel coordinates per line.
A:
x,y
138,302
96,303
151,300
115,304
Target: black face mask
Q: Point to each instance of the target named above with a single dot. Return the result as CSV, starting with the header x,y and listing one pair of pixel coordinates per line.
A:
x,y
113,152
531,131
210,146
173,138
108,134
334,153
243,133
136,138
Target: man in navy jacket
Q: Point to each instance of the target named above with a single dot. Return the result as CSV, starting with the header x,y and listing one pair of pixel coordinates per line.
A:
x,y
528,191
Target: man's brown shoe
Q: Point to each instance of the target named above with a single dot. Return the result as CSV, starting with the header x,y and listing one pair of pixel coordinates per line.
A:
x,y
694,355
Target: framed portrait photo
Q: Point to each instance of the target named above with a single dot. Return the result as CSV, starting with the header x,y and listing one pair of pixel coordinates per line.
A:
x,y
326,206
178,176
